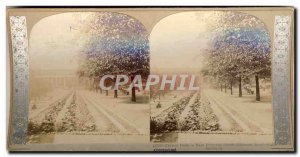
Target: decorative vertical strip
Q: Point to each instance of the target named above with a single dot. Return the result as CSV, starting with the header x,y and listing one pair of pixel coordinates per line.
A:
x,y
281,80
20,79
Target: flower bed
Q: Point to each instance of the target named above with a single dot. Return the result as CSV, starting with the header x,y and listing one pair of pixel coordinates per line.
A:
x,y
45,123
199,117
167,120
74,117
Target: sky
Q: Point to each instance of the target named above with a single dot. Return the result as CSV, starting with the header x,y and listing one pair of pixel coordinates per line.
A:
x,y
53,45
177,42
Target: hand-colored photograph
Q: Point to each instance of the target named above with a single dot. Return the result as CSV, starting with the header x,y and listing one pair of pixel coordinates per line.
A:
x,y
151,79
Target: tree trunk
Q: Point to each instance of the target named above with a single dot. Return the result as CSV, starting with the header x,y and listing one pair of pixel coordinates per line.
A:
x,y
225,88
221,88
231,88
100,90
133,96
240,87
106,91
115,93
116,90
257,88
